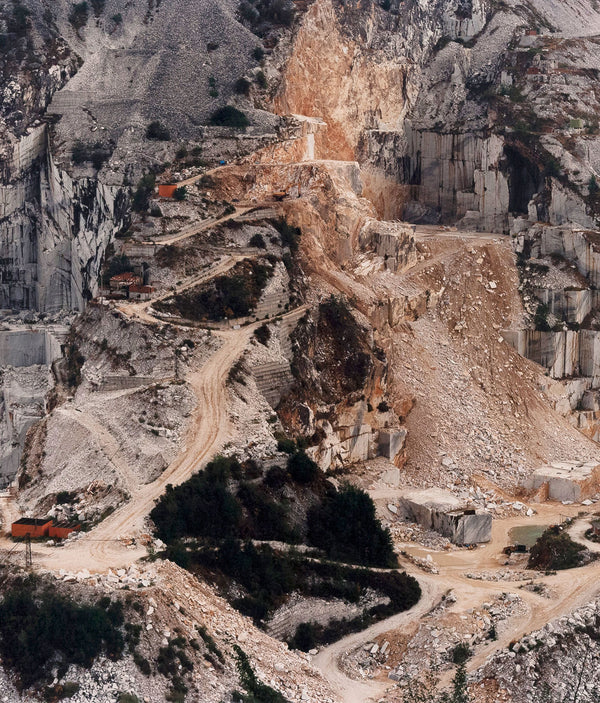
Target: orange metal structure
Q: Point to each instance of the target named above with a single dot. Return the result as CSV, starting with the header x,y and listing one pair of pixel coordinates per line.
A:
x,y
62,530
166,191
33,527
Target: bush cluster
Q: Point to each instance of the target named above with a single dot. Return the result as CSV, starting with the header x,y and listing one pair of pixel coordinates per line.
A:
x,y
79,15
346,528
229,116
262,14
157,132
97,153
143,192
215,504
40,628
228,296
555,550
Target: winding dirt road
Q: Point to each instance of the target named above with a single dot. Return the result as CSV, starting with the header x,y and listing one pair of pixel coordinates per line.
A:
x,y
328,660
573,588
100,549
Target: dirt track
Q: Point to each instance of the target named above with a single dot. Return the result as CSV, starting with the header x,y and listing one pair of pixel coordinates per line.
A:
x,y
574,588
99,550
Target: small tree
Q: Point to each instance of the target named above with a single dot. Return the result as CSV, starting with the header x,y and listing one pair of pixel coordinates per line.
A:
x,y
145,188
229,116
242,86
157,132
257,240
79,15
302,468
261,80
180,193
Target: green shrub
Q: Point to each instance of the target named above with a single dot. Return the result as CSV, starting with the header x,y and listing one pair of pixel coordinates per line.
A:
x,y
555,550
19,20
212,46
261,80
540,319
345,526
79,15
259,692
257,240
290,236
74,361
461,653
263,334
157,132
276,477
211,645
118,18
96,153
242,86
229,116
286,445
127,698
302,468
63,497
143,193
258,53
142,664
306,637
59,692
180,193
264,13
33,623
98,6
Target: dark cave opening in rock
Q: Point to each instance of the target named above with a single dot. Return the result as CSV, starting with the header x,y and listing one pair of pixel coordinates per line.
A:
x,y
524,180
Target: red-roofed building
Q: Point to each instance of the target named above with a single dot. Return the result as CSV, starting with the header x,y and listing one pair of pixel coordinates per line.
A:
x,y
137,292
61,530
124,280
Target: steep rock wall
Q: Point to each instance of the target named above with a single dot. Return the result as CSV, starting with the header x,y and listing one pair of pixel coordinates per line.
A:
x,y
357,66
53,229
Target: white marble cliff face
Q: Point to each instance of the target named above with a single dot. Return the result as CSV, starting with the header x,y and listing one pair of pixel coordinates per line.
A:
x,y
53,230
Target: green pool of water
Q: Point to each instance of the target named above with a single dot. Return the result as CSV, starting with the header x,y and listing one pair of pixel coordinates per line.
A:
x,y
526,534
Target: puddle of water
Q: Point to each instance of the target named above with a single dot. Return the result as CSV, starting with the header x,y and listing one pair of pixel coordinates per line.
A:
x,y
526,534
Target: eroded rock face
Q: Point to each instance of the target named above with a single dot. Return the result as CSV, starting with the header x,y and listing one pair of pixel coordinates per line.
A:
x,y
54,229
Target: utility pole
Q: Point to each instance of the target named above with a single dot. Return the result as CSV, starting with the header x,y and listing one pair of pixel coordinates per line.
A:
x,y
28,559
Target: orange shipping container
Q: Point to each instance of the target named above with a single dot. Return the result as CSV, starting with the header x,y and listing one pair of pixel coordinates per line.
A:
x,y
33,527
166,191
62,530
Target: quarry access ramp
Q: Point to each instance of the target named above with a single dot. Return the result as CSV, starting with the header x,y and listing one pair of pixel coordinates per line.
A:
x,y
199,227
102,548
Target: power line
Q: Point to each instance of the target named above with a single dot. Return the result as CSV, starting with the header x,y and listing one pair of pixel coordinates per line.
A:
x,y
28,558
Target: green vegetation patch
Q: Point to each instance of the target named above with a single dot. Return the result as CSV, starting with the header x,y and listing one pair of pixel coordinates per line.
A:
x,y
346,528
39,628
555,550
233,295
258,692
229,116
